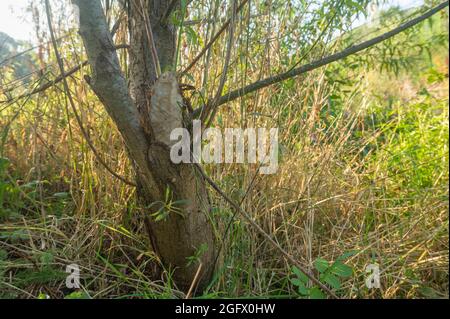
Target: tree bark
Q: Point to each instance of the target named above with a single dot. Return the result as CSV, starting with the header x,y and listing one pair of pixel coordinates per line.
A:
x,y
185,231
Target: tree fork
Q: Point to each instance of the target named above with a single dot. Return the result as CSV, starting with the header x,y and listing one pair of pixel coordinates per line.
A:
x,y
179,235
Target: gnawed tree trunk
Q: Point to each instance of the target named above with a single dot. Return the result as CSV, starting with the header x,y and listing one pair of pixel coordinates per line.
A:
x,y
141,114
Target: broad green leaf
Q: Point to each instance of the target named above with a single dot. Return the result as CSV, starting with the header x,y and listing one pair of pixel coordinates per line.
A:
x,y
303,290
77,295
342,270
300,274
316,293
296,282
332,280
321,265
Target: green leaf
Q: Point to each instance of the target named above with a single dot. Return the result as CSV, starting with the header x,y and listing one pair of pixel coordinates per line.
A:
x,y
46,258
332,280
296,282
300,274
321,265
77,295
4,162
316,293
303,290
15,235
296,271
347,255
342,270
183,5
61,195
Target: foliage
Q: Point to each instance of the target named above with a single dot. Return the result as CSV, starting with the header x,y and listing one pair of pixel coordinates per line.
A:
x,y
363,174
330,274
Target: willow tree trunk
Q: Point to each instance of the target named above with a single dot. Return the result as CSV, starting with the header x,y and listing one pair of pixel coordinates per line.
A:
x,y
144,115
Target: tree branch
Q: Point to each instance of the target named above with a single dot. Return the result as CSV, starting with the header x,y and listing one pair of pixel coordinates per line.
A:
x,y
327,60
108,82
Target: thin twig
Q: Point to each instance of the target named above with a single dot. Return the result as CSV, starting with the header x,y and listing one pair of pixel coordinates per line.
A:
x,y
211,111
59,78
72,71
194,281
227,229
151,41
116,25
17,55
213,39
324,61
48,85
263,233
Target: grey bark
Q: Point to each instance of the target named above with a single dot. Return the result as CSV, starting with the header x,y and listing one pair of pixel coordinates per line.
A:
x,y
181,234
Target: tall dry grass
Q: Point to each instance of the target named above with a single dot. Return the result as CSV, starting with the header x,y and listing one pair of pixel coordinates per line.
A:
x,y
337,190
